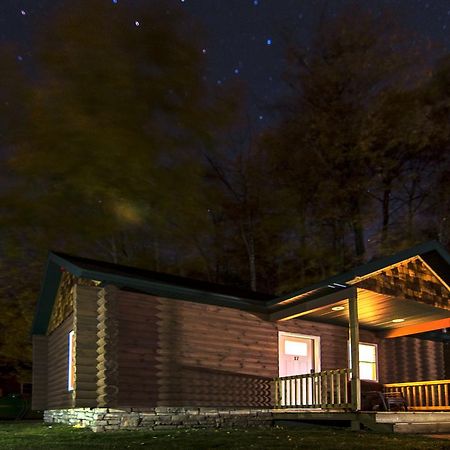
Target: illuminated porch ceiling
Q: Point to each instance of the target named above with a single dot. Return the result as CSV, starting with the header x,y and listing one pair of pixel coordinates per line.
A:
x,y
404,291
377,311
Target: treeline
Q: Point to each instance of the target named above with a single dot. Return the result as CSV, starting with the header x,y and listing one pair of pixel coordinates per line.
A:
x,y
115,147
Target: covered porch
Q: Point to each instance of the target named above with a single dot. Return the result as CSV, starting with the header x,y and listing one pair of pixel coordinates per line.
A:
x,y
406,295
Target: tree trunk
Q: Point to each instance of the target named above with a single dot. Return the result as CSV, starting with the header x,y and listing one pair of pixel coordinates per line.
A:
x,y
113,251
358,231
249,241
156,254
386,214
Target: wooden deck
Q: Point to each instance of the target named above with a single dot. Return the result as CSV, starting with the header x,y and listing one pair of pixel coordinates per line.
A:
x,y
397,422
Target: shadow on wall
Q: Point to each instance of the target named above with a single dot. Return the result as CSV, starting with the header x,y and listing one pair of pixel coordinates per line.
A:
x,y
185,346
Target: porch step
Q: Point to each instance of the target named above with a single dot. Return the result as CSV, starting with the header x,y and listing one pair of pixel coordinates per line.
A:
x,y
424,427
412,417
415,422
397,422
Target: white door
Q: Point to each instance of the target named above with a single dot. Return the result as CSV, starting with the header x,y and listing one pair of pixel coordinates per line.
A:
x,y
298,355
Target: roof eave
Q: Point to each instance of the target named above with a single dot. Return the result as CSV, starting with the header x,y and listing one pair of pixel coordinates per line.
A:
x,y
366,269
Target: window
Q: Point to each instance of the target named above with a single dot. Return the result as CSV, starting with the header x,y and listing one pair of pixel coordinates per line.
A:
x,y
295,348
71,365
367,361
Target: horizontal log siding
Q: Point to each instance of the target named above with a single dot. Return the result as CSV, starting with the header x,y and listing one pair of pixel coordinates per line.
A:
x,y
40,372
410,359
85,326
58,354
177,353
107,348
136,349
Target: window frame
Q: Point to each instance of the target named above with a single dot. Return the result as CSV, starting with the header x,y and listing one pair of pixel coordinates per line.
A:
x,y
371,344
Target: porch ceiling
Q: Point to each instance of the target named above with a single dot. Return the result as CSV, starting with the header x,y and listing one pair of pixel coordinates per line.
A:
x,y
377,311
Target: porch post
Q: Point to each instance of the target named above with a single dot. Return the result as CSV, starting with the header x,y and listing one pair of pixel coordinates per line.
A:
x,y
354,349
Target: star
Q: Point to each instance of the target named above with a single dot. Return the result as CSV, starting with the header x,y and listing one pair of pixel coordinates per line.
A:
x,y
269,41
23,12
137,23
236,71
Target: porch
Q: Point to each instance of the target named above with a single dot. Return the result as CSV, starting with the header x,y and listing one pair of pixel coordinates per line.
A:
x,y
387,422
325,398
330,390
405,296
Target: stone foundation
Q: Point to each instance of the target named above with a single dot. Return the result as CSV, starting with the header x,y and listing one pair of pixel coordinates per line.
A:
x,y
108,419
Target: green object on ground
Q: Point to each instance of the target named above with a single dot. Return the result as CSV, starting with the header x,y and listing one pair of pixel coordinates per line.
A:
x,y
17,406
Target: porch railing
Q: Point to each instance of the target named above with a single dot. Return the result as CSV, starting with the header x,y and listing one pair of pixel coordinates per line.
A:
x,y
326,390
424,395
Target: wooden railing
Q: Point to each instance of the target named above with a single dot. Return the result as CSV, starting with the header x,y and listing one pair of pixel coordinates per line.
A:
x,y
326,390
424,395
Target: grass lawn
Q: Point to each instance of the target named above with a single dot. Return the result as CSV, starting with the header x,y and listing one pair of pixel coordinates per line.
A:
x,y
24,436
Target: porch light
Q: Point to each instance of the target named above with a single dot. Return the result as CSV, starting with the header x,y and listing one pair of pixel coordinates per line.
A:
x,y
398,320
338,308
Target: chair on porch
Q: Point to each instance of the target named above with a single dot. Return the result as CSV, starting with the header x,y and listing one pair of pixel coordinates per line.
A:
x,y
374,398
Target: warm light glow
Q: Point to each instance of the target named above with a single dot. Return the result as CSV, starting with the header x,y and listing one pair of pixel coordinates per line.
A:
x,y
367,361
398,320
367,353
295,348
338,308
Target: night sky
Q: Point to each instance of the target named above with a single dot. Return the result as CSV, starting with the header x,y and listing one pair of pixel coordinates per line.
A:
x,y
243,37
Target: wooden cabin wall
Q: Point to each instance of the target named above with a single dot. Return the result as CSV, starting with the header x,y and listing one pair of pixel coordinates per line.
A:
x,y
85,328
58,357
137,344
446,350
178,353
410,359
213,356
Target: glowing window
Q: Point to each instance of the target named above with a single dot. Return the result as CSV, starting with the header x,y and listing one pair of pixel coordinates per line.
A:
x,y
295,348
71,365
367,361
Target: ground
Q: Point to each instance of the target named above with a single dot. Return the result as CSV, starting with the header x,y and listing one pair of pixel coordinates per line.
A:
x,y
35,435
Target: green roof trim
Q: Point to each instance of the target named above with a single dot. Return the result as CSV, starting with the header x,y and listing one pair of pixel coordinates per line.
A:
x,y
57,263
46,298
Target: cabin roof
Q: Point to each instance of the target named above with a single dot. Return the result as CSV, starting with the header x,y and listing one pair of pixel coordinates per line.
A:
x,y
171,286
146,281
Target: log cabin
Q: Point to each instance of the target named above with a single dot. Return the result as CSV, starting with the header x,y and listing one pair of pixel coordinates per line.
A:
x,y
119,347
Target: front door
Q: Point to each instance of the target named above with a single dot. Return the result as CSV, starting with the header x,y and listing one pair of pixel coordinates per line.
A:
x,y
298,355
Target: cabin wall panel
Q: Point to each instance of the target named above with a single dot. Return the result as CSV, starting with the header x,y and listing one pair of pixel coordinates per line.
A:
x,y
210,355
136,352
85,326
179,353
407,358
58,364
